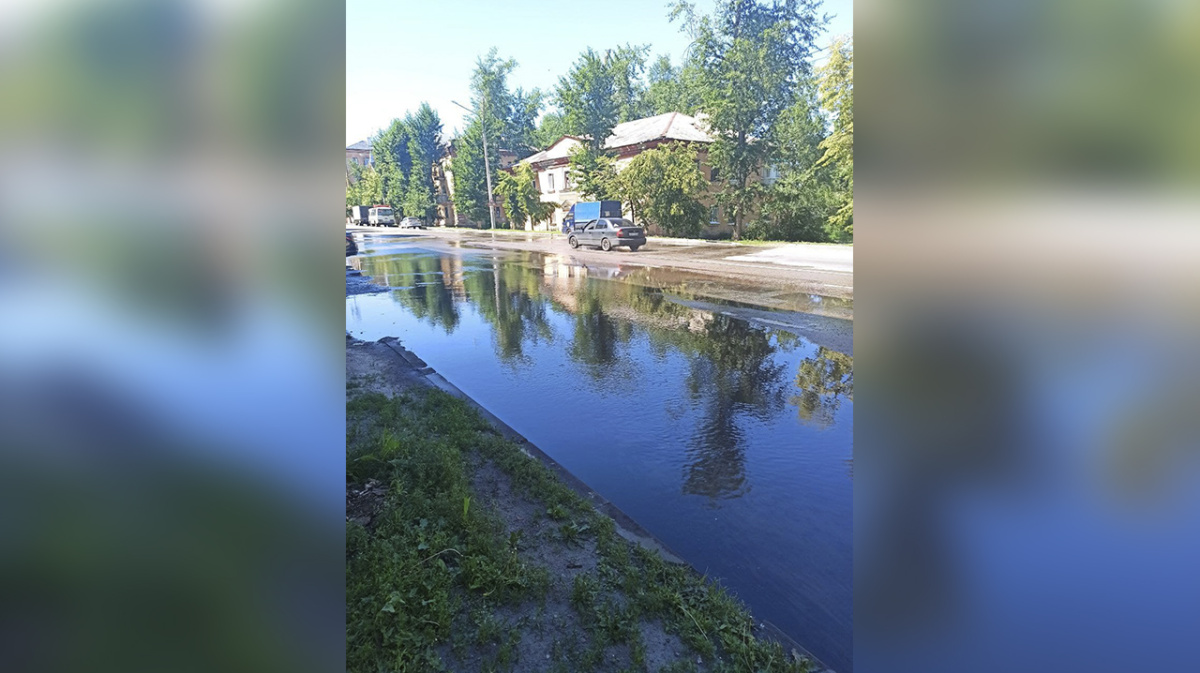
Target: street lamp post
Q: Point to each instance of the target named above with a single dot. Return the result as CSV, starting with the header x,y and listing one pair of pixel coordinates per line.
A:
x,y
487,168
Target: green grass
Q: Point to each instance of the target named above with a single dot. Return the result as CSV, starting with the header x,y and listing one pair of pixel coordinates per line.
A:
x,y
437,566
431,553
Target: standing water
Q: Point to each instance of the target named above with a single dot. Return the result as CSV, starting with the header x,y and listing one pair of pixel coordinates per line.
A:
x,y
723,430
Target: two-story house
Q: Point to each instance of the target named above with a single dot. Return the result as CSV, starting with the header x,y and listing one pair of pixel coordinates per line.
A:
x,y
360,154
627,141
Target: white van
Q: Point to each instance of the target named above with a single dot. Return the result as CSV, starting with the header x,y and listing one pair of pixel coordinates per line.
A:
x,y
381,216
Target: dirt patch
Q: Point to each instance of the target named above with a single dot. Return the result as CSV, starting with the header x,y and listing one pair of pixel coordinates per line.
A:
x,y
363,503
373,366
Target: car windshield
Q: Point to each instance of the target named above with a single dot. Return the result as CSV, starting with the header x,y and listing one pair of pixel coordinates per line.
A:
x,y
384,211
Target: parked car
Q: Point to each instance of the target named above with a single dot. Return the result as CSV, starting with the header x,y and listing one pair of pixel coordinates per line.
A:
x,y
382,216
412,223
351,246
608,233
585,211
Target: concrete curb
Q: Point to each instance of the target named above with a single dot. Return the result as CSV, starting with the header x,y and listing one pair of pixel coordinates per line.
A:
x,y
626,526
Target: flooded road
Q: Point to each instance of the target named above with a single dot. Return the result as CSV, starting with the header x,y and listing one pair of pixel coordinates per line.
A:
x,y
721,427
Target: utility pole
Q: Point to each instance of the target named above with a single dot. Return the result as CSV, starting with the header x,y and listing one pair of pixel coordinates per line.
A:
x,y
487,168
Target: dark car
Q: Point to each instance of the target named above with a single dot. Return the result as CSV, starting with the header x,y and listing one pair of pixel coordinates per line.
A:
x,y
607,233
351,246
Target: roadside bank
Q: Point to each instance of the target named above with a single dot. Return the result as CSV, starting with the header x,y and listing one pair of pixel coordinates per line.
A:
x,y
468,549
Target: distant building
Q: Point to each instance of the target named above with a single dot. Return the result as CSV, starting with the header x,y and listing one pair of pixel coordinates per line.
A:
x,y
627,141
359,153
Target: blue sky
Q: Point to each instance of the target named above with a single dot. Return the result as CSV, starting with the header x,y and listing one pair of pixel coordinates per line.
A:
x,y
400,53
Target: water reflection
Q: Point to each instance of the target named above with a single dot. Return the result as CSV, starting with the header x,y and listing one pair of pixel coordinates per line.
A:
x,y
823,381
508,297
733,376
721,407
597,335
732,373
422,287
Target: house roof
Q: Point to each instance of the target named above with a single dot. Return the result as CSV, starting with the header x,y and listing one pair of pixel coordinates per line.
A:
x,y
557,150
667,126
360,145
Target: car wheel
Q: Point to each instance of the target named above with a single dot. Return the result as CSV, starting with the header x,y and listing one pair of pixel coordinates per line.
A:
x,y
605,244
573,241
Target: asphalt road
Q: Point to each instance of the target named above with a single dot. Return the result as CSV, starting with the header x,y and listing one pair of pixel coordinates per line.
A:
x,y
820,269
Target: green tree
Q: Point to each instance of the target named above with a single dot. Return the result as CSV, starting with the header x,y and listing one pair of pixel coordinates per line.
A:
x,y
587,96
752,55
492,105
552,127
593,172
663,186
418,200
836,91
625,66
393,162
797,205
520,198
354,185
522,122
671,88
370,188
425,139
467,166
508,119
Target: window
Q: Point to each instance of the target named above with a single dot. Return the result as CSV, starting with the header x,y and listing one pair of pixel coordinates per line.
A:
x,y
771,175
550,182
713,174
566,181
712,216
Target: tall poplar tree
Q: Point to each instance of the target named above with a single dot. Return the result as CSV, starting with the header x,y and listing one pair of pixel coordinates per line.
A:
x,y
752,56
836,90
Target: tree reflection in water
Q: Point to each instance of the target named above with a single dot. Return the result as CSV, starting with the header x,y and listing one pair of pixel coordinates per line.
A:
x,y
732,375
509,297
597,335
824,381
420,287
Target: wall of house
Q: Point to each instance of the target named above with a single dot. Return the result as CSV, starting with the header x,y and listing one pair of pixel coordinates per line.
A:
x,y
361,157
720,226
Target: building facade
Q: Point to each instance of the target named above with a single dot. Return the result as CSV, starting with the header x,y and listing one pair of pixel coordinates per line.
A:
x,y
628,140
360,153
